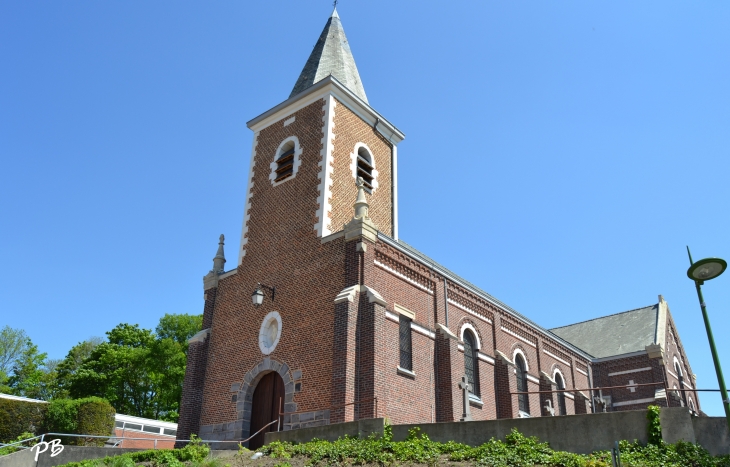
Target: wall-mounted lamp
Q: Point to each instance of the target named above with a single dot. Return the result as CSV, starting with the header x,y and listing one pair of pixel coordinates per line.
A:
x,y
258,294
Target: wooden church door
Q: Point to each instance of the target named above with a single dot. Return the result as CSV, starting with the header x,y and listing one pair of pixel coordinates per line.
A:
x,y
267,397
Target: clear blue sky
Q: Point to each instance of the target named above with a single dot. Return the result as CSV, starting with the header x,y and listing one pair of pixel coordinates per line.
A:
x,y
559,155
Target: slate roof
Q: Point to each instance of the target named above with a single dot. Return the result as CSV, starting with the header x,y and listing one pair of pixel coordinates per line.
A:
x,y
416,254
630,331
331,56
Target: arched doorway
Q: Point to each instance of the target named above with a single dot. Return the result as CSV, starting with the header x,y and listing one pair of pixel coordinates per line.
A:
x,y
267,398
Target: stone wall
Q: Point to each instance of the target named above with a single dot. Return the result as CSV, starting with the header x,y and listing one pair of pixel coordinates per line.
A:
x,y
573,433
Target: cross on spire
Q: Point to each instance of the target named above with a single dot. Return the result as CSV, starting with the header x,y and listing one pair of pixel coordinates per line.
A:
x,y
334,4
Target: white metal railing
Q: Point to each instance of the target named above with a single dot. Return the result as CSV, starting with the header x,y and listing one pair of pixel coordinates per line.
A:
x,y
119,440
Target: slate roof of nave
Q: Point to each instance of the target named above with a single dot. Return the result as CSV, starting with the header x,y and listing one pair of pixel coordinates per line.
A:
x,y
622,333
480,292
331,56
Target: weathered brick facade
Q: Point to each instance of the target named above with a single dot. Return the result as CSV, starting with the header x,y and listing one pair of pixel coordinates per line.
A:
x,y
340,291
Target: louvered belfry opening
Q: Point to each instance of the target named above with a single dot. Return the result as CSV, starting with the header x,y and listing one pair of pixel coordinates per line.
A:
x,y
365,168
285,162
522,399
470,363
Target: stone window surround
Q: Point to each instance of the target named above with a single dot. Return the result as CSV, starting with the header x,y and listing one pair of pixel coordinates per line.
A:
x,y
297,160
272,315
469,326
353,165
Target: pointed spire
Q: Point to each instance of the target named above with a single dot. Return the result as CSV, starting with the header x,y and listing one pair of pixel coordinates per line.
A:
x,y
220,258
331,56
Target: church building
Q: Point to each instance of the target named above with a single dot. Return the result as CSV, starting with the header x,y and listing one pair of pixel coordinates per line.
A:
x,y
328,316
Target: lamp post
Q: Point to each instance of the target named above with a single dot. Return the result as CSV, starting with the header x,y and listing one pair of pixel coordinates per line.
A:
x,y
701,271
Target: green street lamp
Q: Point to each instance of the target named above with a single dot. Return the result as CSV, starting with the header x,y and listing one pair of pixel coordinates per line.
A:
x,y
701,271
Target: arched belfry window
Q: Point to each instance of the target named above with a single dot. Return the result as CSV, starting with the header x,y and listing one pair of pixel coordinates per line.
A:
x,y
521,370
286,161
561,395
363,165
471,367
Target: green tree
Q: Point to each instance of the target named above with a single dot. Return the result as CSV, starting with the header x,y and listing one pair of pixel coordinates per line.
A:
x,y
12,346
179,328
68,367
139,372
29,377
13,343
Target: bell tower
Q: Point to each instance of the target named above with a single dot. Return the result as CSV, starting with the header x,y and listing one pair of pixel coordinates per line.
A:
x,y
309,151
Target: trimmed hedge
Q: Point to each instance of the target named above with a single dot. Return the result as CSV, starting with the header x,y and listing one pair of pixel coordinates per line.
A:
x,y
95,417
90,416
18,417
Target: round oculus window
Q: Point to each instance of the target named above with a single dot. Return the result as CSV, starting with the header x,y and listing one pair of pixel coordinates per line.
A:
x,y
270,332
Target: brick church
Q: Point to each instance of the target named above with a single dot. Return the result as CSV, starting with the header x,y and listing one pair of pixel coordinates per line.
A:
x,y
329,316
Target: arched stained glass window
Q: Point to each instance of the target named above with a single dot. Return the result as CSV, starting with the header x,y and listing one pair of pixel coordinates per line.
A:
x,y
680,375
561,395
522,399
470,362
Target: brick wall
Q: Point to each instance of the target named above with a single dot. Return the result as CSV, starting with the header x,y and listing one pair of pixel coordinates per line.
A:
x,y
163,442
349,130
331,354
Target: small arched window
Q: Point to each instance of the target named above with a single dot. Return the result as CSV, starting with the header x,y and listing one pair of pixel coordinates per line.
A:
x,y
470,362
692,405
561,395
522,399
285,162
680,376
365,167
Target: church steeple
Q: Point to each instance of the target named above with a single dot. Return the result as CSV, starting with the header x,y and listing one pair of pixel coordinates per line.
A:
x,y
331,56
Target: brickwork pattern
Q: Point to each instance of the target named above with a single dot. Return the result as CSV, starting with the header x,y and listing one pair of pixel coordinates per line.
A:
x,y
163,441
676,350
349,130
338,353
614,373
282,251
192,397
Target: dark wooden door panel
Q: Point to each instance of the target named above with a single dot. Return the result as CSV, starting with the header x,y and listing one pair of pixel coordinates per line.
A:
x,y
267,397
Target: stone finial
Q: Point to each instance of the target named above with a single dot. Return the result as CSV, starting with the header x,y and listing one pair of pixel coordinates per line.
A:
x,y
361,204
220,258
361,226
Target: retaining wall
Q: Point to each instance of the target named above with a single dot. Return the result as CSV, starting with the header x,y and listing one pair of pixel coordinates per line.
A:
x,y
26,458
573,433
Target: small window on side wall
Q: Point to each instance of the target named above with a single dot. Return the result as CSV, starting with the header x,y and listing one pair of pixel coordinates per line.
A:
x,y
365,167
285,162
406,347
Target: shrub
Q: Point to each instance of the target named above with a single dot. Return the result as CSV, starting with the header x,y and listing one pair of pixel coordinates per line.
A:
x,y
95,417
18,417
21,437
91,415
655,427
194,452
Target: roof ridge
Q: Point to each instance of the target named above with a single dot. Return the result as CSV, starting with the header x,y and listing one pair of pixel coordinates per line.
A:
x,y
604,316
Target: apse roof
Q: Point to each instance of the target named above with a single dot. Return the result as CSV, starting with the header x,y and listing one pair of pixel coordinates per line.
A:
x,y
331,56
622,333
